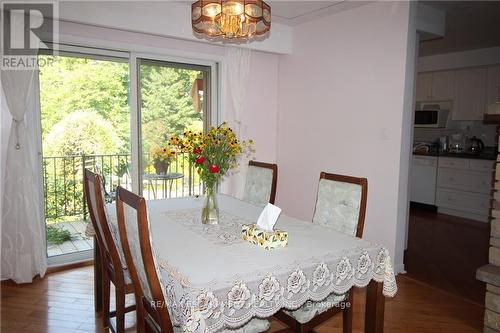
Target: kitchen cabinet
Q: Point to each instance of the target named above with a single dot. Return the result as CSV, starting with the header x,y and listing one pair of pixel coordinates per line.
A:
x,y
472,90
469,102
443,85
464,186
492,85
424,87
436,86
465,180
423,179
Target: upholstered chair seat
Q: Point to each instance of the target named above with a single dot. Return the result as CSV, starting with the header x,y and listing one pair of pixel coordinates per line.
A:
x,y
255,325
308,311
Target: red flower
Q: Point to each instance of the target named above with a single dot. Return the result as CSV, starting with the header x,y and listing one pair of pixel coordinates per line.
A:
x,y
200,160
197,150
213,168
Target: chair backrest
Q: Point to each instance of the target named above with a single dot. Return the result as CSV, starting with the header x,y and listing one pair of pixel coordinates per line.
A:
x,y
341,203
108,244
260,185
136,242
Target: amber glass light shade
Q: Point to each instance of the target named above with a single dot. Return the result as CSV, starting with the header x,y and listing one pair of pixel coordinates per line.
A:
x,y
233,19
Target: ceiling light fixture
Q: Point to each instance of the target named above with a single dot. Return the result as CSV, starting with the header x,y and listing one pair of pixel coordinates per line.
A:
x,y
239,19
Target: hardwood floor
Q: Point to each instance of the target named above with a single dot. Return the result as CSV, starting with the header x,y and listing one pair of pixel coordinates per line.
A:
x,y
62,302
445,251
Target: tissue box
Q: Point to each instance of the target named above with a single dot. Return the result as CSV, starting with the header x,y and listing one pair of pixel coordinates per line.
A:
x,y
266,239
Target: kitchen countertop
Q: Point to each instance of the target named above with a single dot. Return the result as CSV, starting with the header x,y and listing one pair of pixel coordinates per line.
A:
x,y
489,153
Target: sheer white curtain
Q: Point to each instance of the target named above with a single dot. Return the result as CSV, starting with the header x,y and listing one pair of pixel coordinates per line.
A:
x,y
236,68
23,252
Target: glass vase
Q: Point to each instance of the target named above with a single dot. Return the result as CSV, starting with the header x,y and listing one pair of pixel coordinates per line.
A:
x,y
210,211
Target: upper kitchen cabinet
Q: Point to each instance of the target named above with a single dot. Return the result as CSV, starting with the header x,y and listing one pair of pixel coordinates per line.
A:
x,y
437,86
469,102
443,84
492,85
424,87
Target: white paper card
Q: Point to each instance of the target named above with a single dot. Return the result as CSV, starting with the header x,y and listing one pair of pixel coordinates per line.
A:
x,y
268,217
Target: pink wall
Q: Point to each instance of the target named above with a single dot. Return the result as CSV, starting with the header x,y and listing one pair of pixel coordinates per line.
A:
x,y
341,101
260,118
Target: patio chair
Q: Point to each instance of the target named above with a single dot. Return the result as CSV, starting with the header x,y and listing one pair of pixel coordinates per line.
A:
x,y
136,241
260,185
114,268
341,205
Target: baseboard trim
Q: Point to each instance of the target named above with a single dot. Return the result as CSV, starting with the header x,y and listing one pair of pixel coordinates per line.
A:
x,y
64,267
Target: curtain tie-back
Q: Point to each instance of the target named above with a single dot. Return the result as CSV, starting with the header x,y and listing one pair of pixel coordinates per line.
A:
x,y
16,129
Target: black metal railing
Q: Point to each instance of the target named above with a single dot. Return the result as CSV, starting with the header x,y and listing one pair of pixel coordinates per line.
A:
x,y
63,181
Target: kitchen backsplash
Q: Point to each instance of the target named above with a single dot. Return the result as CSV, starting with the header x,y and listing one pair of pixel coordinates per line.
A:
x,y
484,132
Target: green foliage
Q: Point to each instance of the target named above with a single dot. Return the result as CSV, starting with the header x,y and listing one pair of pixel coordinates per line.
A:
x,y
57,235
82,132
167,106
71,84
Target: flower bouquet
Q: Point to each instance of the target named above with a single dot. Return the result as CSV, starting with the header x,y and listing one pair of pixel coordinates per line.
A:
x,y
162,156
213,155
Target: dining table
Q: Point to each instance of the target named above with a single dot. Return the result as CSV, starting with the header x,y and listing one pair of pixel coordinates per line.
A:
x,y
213,279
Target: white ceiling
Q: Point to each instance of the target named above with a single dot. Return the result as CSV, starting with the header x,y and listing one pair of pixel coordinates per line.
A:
x,y
297,12
293,9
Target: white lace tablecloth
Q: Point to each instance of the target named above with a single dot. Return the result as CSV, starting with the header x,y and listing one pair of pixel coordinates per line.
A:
x,y
213,279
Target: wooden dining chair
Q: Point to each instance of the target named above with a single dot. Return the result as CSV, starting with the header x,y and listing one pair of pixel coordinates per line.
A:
x,y
114,268
134,235
260,185
341,205
153,315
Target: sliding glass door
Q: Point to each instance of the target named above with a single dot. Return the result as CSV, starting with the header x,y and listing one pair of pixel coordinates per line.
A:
x,y
173,98
112,112
85,123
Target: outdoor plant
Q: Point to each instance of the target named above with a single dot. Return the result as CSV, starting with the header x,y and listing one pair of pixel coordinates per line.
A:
x,y
121,168
57,235
162,156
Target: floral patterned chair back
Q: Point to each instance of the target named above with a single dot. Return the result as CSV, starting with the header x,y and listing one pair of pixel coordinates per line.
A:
x,y
134,229
260,185
341,203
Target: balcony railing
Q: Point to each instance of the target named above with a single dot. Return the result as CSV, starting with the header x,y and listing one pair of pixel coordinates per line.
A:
x,y
63,181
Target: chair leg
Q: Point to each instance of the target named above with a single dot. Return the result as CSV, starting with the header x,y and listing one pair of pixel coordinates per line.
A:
x,y
105,298
140,318
303,329
120,310
347,314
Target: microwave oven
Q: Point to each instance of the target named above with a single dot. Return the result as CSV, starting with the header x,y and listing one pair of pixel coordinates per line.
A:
x,y
431,118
